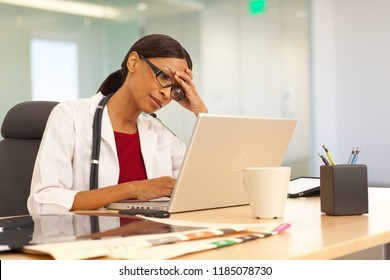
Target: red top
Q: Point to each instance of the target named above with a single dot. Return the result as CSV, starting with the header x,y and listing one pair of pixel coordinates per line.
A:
x,y
131,162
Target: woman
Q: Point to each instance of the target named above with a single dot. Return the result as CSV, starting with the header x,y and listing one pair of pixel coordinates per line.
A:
x,y
139,157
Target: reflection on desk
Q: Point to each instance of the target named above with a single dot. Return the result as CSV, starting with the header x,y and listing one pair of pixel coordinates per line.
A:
x,y
17,232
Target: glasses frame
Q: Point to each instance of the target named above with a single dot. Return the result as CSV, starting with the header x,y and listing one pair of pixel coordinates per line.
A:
x,y
177,93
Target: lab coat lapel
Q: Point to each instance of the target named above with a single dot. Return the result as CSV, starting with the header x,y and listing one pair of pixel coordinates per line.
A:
x,y
107,131
148,139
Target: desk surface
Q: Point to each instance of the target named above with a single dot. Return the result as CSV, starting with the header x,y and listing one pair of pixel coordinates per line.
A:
x,y
313,235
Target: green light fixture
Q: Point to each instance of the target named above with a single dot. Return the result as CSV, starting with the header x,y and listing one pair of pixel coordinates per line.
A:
x,y
257,7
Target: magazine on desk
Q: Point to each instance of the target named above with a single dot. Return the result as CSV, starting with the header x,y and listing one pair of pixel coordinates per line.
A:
x,y
68,237
233,234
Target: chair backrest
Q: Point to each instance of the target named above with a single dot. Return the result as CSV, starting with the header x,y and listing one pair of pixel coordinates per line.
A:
x,y
22,130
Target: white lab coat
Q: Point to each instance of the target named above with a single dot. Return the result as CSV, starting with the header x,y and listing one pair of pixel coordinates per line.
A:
x,y
63,163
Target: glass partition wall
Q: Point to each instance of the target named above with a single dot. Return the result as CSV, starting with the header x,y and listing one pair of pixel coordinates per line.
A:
x,y
250,56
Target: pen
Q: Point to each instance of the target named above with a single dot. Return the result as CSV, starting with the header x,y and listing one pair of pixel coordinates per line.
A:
x,y
326,162
328,155
355,156
351,156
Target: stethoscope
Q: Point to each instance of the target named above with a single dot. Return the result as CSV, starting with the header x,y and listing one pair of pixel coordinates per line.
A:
x,y
96,140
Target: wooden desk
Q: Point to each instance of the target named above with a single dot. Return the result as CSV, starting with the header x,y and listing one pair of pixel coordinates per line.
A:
x,y
313,235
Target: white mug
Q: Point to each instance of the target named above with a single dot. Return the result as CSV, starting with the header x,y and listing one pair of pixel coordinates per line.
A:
x,y
267,190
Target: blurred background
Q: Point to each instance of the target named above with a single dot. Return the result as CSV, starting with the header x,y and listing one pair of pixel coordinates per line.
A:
x,y
323,62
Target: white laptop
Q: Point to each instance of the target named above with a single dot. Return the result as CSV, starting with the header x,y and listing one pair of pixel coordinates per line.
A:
x,y
220,147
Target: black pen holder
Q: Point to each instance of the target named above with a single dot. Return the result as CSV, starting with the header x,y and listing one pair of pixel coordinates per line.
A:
x,y
344,189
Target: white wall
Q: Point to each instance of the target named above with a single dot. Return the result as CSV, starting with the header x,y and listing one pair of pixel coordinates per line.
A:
x,y
258,65
350,67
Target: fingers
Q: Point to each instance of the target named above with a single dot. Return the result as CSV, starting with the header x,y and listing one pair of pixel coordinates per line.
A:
x,y
166,192
184,78
185,81
189,72
165,187
166,182
192,101
186,75
155,188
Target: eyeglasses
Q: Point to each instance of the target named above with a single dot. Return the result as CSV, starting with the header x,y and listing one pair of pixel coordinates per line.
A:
x,y
165,81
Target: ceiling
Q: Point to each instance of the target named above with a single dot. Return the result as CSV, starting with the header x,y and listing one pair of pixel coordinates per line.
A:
x,y
130,10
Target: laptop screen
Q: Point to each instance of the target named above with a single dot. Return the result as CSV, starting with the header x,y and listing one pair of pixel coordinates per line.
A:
x,y
220,147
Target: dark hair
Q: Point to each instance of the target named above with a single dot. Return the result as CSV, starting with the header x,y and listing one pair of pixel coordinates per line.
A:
x,y
155,45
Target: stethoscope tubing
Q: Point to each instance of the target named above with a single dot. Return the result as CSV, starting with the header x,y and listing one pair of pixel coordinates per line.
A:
x,y
96,139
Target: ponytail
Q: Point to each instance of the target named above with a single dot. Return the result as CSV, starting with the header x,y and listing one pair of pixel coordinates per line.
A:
x,y
112,83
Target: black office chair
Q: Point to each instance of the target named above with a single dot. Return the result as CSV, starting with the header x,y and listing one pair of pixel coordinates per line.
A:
x,y
22,130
